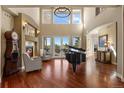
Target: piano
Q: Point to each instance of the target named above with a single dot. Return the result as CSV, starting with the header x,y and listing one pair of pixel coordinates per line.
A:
x,y
75,56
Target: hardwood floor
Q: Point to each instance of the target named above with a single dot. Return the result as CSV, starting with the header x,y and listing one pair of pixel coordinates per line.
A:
x,y
58,73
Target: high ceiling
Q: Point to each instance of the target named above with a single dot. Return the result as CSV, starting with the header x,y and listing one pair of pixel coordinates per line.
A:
x,y
33,10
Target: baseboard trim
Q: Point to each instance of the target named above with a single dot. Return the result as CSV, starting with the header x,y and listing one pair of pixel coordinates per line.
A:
x,y
122,79
114,63
22,68
120,76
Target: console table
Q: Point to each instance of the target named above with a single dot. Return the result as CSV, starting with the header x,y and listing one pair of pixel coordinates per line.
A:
x,y
104,56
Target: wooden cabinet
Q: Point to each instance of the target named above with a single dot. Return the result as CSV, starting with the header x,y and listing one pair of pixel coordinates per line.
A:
x,y
103,56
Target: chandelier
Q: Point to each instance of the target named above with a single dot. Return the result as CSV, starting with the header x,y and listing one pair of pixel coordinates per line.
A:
x,y
62,12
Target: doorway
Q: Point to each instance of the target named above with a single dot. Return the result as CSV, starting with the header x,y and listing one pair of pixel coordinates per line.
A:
x,y
60,44
95,42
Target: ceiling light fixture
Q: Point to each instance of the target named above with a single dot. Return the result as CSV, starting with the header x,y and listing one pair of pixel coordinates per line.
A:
x,y
62,12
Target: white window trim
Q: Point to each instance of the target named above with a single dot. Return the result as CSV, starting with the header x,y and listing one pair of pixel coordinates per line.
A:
x,y
80,17
79,39
70,17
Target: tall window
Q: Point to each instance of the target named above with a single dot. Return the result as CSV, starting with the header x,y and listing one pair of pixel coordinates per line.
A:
x,y
46,16
59,20
76,41
76,16
47,45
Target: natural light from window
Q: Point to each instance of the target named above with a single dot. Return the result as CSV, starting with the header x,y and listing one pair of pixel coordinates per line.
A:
x,y
48,17
76,16
59,20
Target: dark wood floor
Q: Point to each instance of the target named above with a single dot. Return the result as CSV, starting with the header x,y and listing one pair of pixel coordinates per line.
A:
x,y
58,73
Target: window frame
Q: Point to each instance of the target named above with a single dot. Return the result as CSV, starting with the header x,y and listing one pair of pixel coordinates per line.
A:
x,y
79,40
61,23
47,10
80,16
70,16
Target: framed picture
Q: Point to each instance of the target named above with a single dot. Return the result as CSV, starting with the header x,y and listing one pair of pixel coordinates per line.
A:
x,y
98,10
102,40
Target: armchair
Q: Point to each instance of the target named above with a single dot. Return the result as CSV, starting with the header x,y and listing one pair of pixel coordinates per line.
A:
x,y
32,64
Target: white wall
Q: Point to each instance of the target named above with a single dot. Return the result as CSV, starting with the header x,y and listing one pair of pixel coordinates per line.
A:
x,y
109,15
32,12
61,29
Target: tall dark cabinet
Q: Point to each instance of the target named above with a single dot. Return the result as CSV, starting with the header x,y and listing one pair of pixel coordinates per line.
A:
x,y
11,53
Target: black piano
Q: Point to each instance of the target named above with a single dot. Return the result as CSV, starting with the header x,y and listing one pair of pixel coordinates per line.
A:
x,y
75,56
